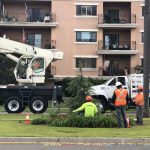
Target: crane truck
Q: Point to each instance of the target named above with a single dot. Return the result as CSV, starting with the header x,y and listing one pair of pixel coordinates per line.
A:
x,y
31,89
104,92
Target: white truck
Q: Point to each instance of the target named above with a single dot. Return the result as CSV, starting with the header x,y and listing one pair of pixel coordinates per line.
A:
x,y
104,92
29,72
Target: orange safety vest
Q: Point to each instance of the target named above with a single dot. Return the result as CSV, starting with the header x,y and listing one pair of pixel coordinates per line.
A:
x,y
121,95
139,99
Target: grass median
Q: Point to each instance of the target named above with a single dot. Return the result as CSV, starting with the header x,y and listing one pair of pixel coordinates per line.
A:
x,y
12,125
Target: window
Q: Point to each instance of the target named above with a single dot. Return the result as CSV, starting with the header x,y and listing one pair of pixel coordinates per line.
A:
x,y
86,10
111,41
35,39
142,11
142,37
34,14
86,62
113,82
122,80
38,65
111,16
86,36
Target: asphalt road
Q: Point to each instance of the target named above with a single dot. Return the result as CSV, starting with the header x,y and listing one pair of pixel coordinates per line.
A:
x,y
71,146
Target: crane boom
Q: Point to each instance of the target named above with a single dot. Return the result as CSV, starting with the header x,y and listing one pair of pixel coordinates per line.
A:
x,y
9,46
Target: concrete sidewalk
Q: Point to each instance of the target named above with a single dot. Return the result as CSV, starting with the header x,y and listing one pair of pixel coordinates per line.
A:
x,y
74,140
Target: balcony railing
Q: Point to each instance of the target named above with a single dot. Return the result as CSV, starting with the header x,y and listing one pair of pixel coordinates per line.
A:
x,y
117,72
119,19
122,45
24,17
46,44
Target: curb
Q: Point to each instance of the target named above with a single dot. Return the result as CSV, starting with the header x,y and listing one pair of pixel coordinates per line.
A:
x,y
74,140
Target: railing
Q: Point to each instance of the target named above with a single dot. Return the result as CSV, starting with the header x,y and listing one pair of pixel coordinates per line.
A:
x,y
112,72
46,44
119,19
24,17
122,45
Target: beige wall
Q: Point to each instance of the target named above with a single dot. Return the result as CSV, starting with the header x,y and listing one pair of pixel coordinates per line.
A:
x,y
66,37
69,23
136,34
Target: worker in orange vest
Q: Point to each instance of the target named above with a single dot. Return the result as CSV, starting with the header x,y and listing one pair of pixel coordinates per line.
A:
x,y
120,99
139,101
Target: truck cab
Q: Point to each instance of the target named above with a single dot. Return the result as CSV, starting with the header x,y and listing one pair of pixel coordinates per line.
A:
x,y
30,70
104,92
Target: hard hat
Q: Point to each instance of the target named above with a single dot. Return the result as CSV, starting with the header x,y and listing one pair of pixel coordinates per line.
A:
x,y
140,87
88,98
118,83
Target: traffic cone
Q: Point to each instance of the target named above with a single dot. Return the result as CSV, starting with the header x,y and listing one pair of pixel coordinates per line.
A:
x,y
27,120
128,121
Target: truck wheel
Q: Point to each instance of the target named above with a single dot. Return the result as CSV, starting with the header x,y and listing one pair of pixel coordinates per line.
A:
x,y
13,105
38,105
101,105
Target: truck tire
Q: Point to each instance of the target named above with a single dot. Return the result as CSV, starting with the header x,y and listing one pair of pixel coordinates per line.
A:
x,y
38,105
102,105
13,105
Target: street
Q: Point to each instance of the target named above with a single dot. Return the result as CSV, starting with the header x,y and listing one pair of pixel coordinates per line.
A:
x,y
70,146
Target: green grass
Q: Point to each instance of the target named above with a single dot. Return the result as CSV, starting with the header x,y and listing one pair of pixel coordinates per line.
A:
x,y
12,125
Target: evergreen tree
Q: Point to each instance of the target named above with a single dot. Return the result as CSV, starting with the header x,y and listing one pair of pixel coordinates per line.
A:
x,y
7,71
78,89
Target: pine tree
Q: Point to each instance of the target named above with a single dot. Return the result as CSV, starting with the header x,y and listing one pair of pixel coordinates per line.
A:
x,y
6,71
78,89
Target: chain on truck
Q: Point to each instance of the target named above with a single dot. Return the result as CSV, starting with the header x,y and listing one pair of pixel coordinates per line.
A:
x,y
104,92
29,72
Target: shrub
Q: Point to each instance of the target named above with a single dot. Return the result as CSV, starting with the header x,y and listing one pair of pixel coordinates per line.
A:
x,y
78,88
99,120
6,71
40,121
96,81
78,120
66,81
65,84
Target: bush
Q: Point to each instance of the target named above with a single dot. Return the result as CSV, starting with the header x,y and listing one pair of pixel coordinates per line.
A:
x,y
40,121
49,119
77,89
6,71
78,120
96,81
65,83
75,120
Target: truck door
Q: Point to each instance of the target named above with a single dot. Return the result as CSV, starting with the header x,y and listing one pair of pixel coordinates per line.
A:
x,y
111,86
38,70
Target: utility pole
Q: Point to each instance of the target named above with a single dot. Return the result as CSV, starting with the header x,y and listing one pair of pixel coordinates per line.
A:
x,y
146,56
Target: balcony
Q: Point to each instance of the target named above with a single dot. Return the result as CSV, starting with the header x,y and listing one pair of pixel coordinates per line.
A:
x,y
45,44
119,21
116,72
22,19
121,48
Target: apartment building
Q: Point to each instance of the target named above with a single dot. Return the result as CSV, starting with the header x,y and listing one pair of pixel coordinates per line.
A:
x,y
104,37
